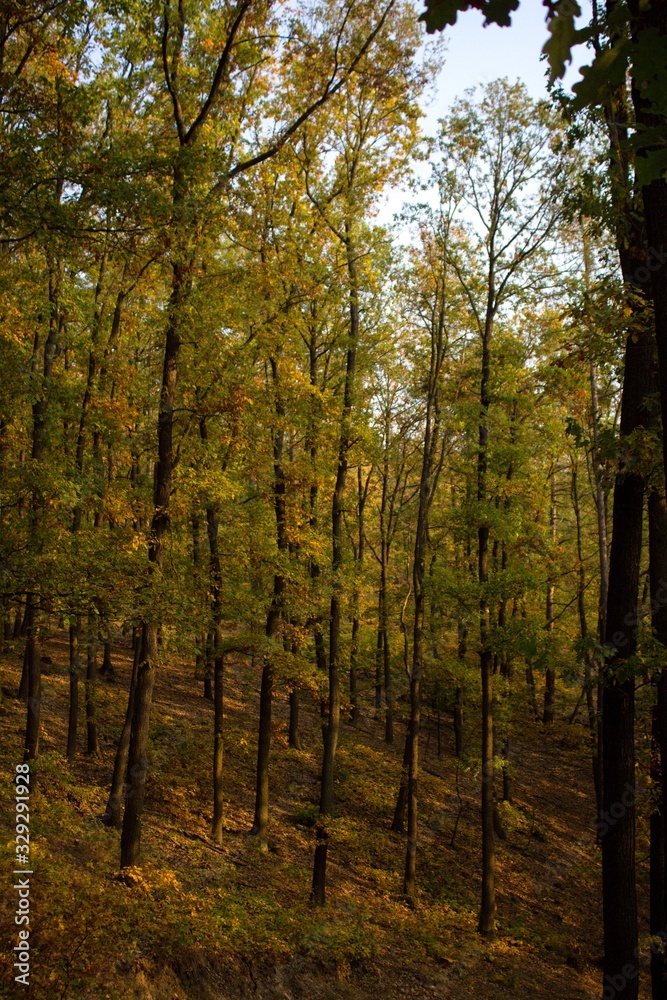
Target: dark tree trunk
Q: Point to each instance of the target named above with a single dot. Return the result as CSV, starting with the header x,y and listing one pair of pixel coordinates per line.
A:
x,y
550,676
137,764
218,744
379,662
19,629
318,892
208,667
39,415
430,471
398,821
112,813
212,526
386,657
261,820
74,671
22,693
458,721
362,494
657,528
487,914
91,686
354,653
507,772
130,843
107,669
34,678
603,555
294,740
617,838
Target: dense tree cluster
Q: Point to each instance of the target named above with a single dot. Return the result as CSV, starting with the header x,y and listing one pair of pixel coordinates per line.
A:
x,y
395,466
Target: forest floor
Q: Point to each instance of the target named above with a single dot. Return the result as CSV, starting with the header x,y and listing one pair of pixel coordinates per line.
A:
x,y
200,922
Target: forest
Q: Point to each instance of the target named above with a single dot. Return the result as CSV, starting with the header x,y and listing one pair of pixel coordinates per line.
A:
x,y
333,530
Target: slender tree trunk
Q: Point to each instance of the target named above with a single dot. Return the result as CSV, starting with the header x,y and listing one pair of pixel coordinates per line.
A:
x,y
212,525
318,893
354,655
208,666
398,821
39,415
34,678
294,740
388,684
583,627
74,671
430,472
487,915
261,820
379,661
107,669
550,678
218,743
112,813
600,494
148,657
91,690
362,493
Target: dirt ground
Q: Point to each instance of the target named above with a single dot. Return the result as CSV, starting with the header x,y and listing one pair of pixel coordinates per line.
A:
x,y
199,922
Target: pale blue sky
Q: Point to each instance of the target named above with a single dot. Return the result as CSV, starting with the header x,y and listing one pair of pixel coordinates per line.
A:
x,y
478,55
475,54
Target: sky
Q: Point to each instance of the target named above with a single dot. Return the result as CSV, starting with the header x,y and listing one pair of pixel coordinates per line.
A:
x,y
475,54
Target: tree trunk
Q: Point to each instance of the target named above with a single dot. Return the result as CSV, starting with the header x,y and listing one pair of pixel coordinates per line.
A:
x,y
34,678
208,666
550,678
430,472
148,657
112,813
487,915
39,414
362,493
294,740
212,526
657,528
379,662
91,690
617,837
218,743
318,893
261,820
74,670
398,821
354,653
386,654
107,669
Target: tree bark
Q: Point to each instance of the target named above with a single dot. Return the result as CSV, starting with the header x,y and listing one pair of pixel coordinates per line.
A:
x,y
550,676
294,740
74,671
261,820
618,695
91,691
318,892
148,657
657,537
112,813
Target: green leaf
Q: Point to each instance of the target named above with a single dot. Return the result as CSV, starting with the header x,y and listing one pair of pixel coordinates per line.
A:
x,y
440,13
606,72
564,36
